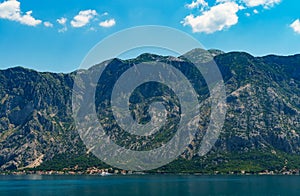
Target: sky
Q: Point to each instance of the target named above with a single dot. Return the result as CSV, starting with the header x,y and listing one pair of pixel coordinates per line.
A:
x,y
56,35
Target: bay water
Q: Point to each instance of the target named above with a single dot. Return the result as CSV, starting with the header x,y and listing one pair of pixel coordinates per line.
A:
x,y
167,185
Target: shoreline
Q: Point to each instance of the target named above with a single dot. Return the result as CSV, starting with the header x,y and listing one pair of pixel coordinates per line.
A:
x,y
71,173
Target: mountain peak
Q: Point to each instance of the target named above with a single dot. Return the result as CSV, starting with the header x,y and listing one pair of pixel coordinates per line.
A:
x,y
148,56
216,52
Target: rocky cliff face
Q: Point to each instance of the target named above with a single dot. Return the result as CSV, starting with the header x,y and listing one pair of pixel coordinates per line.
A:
x,y
35,115
263,99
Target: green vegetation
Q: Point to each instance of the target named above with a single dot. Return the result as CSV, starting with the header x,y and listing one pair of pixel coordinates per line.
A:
x,y
214,163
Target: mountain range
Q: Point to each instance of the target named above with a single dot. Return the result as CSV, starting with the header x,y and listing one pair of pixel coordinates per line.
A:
x,y
260,132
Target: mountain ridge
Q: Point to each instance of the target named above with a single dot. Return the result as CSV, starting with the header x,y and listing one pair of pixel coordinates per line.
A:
x,y
212,51
263,116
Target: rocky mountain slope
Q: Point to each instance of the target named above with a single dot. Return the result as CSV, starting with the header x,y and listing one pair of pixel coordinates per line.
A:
x,y
261,129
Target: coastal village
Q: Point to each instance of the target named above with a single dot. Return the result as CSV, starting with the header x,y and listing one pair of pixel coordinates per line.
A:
x,y
71,171
111,171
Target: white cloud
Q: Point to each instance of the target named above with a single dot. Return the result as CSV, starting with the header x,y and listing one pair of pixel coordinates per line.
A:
x,y
108,23
196,4
93,29
62,20
48,24
104,14
61,30
255,11
219,17
247,14
296,26
10,10
83,18
264,3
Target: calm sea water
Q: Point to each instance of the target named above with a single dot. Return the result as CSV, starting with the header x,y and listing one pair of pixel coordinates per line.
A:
x,y
148,185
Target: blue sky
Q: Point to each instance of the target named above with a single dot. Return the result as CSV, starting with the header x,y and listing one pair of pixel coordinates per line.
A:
x,y
55,35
